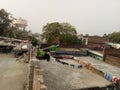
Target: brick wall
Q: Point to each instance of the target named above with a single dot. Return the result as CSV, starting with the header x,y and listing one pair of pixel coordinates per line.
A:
x,y
115,61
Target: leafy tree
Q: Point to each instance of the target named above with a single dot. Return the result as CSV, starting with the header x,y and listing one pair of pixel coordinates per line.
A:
x,y
86,34
21,34
5,21
51,31
105,35
114,37
67,33
34,41
7,29
64,32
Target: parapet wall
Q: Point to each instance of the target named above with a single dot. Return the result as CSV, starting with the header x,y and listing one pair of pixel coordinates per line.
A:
x,y
35,77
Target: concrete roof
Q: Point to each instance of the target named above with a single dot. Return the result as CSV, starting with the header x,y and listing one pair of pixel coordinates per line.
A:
x,y
102,66
76,78
95,52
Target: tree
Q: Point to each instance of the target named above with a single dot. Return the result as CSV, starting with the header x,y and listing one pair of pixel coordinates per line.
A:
x,y
23,35
114,37
51,31
67,34
64,32
34,41
5,21
7,29
105,35
87,35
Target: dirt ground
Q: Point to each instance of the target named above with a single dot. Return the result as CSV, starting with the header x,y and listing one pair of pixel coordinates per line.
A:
x,y
13,75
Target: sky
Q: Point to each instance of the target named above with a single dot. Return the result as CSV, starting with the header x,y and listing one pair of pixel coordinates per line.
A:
x,y
93,17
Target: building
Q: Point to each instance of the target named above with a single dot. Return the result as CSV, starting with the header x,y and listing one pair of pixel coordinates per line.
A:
x,y
93,41
20,23
114,45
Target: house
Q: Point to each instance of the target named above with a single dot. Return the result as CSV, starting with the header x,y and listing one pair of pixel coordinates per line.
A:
x,y
93,41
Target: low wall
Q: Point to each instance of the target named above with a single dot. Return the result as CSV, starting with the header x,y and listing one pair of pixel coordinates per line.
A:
x,y
115,61
35,77
38,81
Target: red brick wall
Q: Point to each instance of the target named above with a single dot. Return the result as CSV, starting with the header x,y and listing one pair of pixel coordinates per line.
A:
x,y
115,61
94,41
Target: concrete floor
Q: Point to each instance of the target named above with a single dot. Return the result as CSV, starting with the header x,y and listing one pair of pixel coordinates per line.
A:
x,y
102,66
62,77
12,74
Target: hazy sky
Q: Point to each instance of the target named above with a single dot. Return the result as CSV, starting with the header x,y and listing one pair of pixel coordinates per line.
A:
x,y
93,17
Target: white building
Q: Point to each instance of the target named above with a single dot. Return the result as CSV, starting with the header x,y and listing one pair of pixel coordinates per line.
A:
x,y
114,45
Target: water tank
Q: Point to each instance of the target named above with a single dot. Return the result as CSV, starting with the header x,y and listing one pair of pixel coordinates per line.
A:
x,y
20,22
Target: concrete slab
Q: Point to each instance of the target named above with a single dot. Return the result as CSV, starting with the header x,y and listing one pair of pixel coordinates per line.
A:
x,y
13,75
62,77
102,66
